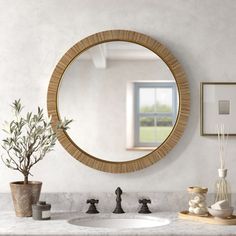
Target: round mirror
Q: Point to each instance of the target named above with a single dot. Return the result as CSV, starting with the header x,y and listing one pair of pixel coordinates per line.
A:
x,y
123,100
127,96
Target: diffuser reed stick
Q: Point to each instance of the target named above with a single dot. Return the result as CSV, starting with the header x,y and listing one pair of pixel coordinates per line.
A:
x,y
222,142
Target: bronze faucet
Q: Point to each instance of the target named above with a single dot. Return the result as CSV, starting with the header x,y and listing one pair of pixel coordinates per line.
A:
x,y
92,208
118,209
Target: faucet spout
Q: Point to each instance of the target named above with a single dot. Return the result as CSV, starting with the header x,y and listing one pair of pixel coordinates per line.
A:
x,y
118,209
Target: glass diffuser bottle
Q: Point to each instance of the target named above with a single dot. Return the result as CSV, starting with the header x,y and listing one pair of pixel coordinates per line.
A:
x,y
222,187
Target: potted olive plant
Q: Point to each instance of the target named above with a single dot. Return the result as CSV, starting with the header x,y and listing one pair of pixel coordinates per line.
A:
x,y
28,139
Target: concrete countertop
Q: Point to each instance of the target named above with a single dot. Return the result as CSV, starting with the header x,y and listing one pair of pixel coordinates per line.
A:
x,y
58,225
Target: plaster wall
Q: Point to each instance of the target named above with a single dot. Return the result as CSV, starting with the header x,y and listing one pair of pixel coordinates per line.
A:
x,y
201,34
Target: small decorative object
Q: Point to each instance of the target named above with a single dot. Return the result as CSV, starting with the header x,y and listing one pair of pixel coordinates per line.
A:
x,y
221,209
144,208
217,102
41,211
197,202
29,138
224,204
222,213
222,187
92,208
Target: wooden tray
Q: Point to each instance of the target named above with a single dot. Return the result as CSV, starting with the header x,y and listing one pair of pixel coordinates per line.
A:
x,y
208,219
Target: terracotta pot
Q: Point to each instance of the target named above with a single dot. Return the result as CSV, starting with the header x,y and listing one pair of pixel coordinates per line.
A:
x,y
24,195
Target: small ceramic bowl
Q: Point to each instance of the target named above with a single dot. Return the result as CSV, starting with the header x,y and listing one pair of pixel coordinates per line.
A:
x,y
223,213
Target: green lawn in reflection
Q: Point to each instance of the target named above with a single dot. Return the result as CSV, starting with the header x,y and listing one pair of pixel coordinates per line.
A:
x,y
150,134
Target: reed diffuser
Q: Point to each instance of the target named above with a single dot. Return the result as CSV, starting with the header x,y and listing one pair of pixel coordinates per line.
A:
x,y
222,187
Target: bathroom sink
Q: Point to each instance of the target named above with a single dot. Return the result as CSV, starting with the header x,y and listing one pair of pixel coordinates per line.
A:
x,y
119,222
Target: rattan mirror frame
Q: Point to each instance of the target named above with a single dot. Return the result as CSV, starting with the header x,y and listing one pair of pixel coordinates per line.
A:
x,y
171,62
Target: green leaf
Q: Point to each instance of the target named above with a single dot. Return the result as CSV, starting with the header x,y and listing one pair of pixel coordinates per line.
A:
x,y
16,105
5,141
16,149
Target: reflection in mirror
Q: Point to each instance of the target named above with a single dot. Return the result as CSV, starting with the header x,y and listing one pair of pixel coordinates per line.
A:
x,y
156,110
123,99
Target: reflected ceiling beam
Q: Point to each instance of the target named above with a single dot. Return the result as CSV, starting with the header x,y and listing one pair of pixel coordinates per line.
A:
x,y
129,51
98,55
131,54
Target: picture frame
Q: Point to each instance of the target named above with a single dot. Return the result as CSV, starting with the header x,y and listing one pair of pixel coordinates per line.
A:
x,y
217,106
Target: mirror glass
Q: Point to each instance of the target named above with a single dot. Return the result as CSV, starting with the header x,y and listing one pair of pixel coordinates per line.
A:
x,y
123,100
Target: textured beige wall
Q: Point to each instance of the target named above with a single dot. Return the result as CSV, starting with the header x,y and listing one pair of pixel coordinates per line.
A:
x,y
201,34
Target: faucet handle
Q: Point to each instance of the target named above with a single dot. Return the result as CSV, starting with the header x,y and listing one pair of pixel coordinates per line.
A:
x,y
92,208
144,208
92,201
144,201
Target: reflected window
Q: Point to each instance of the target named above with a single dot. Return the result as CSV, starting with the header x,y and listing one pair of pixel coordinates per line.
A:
x,y
155,109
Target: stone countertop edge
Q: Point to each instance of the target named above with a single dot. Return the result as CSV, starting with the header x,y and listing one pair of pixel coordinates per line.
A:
x,y
58,225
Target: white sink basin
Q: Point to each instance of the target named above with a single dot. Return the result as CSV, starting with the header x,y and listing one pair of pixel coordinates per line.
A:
x,y
119,222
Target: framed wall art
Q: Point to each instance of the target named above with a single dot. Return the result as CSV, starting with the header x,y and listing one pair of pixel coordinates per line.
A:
x,y
218,106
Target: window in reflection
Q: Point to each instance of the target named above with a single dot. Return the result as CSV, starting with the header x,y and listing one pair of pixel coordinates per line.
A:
x,y
155,108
